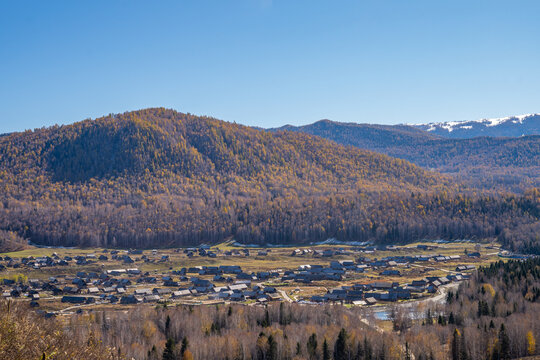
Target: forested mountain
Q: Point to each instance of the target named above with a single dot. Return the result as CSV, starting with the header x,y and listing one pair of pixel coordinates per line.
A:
x,y
157,177
365,136
486,162
514,126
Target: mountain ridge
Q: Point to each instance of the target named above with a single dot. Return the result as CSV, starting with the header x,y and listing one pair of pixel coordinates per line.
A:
x,y
486,162
510,126
175,141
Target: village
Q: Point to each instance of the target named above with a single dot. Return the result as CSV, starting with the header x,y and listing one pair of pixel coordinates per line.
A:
x,y
61,281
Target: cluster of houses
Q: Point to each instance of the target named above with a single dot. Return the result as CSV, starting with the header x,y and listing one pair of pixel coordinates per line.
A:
x,y
369,294
88,259
131,286
47,261
336,270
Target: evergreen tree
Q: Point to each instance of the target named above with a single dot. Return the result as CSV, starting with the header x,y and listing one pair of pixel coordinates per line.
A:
x,y
455,345
266,321
168,353
167,325
451,319
504,344
272,353
340,348
152,353
185,344
463,355
359,351
312,346
367,349
325,350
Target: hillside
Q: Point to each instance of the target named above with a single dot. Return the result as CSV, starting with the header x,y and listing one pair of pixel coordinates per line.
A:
x,y
486,162
511,126
157,177
365,136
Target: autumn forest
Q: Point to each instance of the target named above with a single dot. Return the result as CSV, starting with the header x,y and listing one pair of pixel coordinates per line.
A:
x,y
160,178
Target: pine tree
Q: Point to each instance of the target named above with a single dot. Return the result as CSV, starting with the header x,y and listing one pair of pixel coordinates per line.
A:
x,y
325,350
281,314
451,319
168,353
266,321
152,353
463,355
185,344
312,346
340,348
504,344
367,349
167,325
455,345
272,349
359,351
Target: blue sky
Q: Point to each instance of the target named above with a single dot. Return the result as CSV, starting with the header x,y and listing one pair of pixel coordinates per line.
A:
x,y
268,63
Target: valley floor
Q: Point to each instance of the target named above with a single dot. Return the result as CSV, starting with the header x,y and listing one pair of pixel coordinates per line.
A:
x,y
63,280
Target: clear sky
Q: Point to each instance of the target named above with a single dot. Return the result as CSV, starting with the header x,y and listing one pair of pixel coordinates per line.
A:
x,y
268,63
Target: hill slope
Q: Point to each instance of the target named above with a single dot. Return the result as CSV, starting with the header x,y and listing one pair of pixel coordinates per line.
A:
x,y
157,177
511,126
158,140
503,163
365,136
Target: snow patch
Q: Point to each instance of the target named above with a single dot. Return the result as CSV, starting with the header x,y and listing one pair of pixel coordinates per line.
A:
x,y
466,124
333,241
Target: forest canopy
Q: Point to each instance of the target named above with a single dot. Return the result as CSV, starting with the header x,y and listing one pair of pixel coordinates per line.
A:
x,y
157,177
502,163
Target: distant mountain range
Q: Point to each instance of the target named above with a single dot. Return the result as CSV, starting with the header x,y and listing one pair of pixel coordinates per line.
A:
x,y
510,126
509,163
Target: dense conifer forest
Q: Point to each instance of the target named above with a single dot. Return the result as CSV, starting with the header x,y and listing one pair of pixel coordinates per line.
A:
x,y
156,178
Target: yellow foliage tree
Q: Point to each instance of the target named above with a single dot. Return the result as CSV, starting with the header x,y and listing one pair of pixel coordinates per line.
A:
x,y
187,355
489,289
531,343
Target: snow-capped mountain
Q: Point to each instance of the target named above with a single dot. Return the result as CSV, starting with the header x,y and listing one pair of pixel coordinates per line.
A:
x,y
511,126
